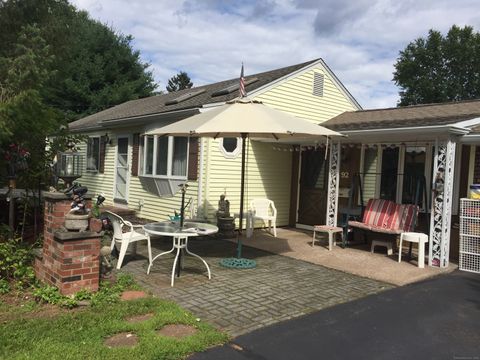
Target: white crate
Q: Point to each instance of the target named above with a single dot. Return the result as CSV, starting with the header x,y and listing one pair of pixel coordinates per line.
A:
x,y
470,235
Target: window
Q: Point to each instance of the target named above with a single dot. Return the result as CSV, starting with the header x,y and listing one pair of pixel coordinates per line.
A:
x,y
400,173
149,155
93,154
230,147
162,156
413,174
388,181
165,156
179,158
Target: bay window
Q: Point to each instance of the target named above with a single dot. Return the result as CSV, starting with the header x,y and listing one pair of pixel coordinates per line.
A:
x,y
165,157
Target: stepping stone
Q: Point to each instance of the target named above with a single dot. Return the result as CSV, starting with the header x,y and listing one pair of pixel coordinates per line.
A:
x,y
125,339
177,331
139,318
132,295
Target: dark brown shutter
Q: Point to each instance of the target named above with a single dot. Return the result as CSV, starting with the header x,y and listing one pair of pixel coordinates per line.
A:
x,y
101,161
476,172
193,159
135,154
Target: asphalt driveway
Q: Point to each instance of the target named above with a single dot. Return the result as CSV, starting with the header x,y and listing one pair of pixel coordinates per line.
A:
x,y
434,319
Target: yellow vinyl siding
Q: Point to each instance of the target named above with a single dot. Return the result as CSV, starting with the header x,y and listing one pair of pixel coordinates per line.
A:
x,y
99,183
295,97
268,175
154,207
369,180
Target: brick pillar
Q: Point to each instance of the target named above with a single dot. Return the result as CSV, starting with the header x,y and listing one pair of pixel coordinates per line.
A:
x,y
69,260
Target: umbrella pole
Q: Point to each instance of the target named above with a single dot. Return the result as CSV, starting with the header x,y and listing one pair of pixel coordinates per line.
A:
x,y
239,262
242,194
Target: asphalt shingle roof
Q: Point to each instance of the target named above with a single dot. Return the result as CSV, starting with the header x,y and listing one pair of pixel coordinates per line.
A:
x,y
408,116
157,104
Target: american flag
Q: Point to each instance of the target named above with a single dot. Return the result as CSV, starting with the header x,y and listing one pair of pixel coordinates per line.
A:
x,y
243,92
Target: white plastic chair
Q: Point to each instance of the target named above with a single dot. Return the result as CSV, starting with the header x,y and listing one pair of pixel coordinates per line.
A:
x,y
126,238
265,210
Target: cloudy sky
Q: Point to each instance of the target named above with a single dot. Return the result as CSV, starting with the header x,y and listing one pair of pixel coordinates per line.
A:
x,y
359,39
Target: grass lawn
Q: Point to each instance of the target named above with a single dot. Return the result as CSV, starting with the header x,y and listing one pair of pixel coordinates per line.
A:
x,y
35,332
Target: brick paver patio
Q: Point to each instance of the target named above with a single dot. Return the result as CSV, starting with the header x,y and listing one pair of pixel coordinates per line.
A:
x,y
239,301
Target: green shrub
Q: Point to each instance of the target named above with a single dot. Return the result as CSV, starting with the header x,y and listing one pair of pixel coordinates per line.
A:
x,y
83,295
16,259
47,294
4,286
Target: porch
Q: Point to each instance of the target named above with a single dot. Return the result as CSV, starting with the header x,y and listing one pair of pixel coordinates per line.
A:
x,y
356,260
424,155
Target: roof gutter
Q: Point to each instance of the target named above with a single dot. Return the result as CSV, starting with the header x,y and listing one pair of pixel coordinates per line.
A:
x,y
136,119
139,120
471,139
451,129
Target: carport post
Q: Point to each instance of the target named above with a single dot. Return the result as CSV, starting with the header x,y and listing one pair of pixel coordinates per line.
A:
x,y
333,183
442,198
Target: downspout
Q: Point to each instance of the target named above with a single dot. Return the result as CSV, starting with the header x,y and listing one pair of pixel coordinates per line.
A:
x,y
207,181
200,203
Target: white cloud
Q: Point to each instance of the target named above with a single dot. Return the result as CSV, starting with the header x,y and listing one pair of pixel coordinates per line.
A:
x,y
359,40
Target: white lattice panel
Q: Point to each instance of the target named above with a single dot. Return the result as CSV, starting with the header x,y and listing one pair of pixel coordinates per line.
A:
x,y
470,235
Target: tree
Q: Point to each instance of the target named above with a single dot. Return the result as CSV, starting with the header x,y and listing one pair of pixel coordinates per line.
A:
x,y
440,68
94,67
24,116
179,82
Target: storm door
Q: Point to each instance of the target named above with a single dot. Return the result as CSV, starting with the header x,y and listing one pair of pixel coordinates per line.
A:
x,y
121,171
313,187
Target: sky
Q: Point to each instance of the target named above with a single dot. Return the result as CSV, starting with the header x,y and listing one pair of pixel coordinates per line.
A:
x,y
360,40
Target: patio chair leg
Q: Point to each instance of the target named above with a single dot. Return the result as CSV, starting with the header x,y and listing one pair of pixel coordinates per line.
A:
x,y
123,251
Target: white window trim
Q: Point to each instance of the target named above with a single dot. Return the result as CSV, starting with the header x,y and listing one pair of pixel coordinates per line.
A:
x,y
233,154
92,171
169,175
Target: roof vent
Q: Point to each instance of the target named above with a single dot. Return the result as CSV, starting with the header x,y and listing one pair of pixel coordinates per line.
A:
x,y
234,87
318,80
184,97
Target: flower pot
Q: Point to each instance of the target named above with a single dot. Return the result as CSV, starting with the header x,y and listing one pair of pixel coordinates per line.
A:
x,y
95,224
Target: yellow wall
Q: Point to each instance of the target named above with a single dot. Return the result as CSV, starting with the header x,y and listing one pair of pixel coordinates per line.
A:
x,y
154,207
268,175
295,97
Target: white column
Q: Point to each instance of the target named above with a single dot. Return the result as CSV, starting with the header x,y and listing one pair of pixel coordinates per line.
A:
x,y
333,183
442,198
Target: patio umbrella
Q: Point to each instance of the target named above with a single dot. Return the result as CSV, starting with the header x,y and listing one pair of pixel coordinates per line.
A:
x,y
244,118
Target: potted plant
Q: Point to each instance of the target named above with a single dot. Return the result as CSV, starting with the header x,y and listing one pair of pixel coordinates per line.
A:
x,y
96,223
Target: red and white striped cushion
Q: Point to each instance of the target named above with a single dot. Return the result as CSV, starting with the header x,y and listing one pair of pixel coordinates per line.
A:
x,y
404,216
379,213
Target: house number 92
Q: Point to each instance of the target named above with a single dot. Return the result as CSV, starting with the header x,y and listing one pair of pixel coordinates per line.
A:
x,y
345,174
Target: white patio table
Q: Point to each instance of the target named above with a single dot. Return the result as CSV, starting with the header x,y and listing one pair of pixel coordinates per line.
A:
x,y
180,241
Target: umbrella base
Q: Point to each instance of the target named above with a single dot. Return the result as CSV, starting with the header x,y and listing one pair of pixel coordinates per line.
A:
x,y
238,263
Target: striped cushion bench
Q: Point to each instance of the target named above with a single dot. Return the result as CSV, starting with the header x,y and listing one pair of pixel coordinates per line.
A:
x,y
385,216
